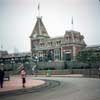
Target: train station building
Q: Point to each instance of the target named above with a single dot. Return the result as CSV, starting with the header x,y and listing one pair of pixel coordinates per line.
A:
x,y
60,48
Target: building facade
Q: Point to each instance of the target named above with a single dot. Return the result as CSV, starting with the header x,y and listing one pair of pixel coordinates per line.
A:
x,y
3,53
60,48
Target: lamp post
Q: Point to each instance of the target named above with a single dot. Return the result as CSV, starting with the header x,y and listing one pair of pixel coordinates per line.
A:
x,y
12,62
89,65
36,69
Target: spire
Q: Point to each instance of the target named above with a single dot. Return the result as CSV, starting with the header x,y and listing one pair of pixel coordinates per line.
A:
x,y
39,29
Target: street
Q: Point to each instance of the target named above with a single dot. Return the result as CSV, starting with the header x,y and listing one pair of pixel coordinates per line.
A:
x,y
69,89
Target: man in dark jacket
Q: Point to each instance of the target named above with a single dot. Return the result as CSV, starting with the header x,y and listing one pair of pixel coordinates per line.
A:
x,y
1,77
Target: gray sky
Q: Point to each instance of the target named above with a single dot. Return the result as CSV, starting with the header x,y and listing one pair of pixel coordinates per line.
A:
x,y
18,17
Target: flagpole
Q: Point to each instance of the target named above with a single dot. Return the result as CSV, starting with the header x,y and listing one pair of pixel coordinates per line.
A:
x,y
1,47
39,17
39,9
74,52
72,23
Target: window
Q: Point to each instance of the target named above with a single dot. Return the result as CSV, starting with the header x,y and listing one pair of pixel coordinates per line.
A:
x,y
57,54
41,44
58,42
49,43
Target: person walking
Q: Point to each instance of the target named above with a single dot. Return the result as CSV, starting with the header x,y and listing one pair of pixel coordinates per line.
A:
x,y
23,76
1,77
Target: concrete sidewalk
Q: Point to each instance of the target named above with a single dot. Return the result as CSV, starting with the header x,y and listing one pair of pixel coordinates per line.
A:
x,y
68,75
15,83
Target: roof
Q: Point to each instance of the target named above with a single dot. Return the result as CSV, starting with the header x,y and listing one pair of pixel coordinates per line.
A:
x,y
39,29
69,32
93,46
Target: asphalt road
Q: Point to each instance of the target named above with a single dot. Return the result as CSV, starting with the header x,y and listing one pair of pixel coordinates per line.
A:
x,y
69,89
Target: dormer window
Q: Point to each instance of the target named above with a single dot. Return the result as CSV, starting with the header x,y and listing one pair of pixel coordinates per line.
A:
x,y
66,38
58,42
49,43
41,44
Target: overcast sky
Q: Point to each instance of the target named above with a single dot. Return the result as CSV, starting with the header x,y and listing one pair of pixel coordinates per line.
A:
x,y
18,17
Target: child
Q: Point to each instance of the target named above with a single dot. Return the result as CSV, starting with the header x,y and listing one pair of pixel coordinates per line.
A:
x,y
23,76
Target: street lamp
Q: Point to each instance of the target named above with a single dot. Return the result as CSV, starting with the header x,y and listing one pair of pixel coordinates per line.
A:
x,y
36,69
89,66
12,62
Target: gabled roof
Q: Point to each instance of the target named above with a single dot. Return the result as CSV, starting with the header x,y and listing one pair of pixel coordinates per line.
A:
x,y
39,29
69,32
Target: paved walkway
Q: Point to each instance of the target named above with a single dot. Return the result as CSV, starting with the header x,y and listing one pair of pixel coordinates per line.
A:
x,y
16,83
68,75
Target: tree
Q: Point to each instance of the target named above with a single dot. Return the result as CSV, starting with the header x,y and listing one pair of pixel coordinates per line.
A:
x,y
89,55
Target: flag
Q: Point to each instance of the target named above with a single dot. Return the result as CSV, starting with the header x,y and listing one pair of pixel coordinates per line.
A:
x,y
39,6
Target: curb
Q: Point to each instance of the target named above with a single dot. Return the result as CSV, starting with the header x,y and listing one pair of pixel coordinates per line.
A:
x,y
48,84
22,90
